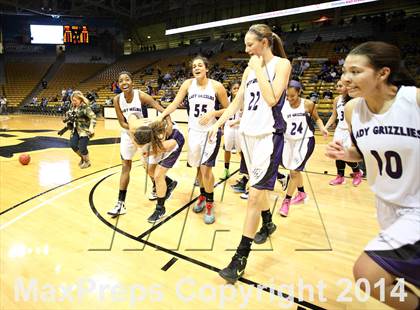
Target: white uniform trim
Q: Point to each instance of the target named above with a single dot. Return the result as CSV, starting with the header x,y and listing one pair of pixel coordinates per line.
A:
x,y
390,144
127,147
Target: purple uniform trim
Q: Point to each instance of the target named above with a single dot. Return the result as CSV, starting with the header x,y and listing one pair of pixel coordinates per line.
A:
x,y
211,162
403,262
270,177
170,161
311,147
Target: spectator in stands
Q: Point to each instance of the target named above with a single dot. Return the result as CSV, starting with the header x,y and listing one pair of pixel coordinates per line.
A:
x,y
3,105
167,77
333,73
313,79
305,65
327,77
313,96
160,81
44,103
90,96
44,84
149,90
117,89
34,100
113,85
168,96
327,94
108,101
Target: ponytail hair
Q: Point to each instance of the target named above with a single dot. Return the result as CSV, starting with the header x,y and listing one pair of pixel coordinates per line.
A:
x,y
262,31
277,47
346,98
380,55
154,133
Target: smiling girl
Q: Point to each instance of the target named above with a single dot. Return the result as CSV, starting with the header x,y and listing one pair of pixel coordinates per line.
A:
x,y
204,96
130,101
299,141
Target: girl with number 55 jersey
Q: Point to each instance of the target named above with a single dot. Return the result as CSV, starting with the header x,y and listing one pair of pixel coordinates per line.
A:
x,y
204,99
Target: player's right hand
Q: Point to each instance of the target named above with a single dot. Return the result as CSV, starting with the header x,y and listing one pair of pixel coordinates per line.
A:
x,y
212,133
335,150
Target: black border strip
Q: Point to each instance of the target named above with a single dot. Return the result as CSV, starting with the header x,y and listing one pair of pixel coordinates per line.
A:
x,y
187,258
169,264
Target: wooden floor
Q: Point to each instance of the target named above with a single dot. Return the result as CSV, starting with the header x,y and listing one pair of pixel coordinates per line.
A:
x,y
60,250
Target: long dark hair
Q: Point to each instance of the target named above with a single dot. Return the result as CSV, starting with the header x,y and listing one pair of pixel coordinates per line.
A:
x,y
204,59
381,54
154,133
263,31
231,84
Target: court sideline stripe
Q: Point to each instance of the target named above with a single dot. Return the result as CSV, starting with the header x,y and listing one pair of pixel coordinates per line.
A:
x,y
54,188
7,224
187,258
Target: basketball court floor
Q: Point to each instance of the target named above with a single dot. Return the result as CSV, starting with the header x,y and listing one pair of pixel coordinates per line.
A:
x,y
60,249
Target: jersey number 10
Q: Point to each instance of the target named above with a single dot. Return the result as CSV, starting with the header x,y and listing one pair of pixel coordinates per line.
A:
x,y
393,172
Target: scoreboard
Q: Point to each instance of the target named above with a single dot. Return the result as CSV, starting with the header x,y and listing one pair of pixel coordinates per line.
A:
x,y
75,34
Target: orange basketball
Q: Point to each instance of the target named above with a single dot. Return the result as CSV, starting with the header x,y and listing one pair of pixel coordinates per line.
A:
x,y
24,159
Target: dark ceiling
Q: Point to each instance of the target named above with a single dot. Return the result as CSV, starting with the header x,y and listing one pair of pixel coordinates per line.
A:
x,y
138,9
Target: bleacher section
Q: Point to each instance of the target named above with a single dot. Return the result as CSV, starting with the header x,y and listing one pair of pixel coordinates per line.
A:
x,y
69,75
21,78
313,42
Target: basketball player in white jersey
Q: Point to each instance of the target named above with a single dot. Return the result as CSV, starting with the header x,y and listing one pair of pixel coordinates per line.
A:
x,y
204,96
299,141
161,145
130,101
261,97
231,131
384,124
342,134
